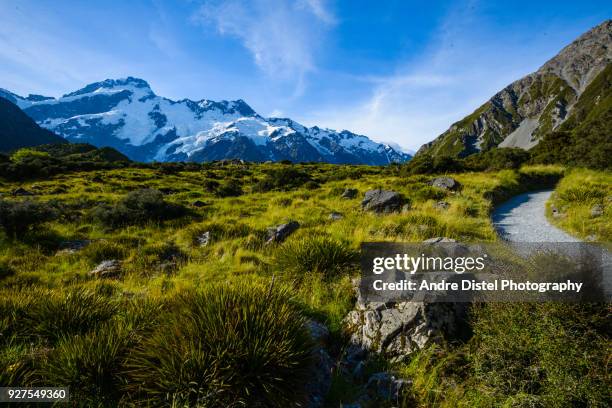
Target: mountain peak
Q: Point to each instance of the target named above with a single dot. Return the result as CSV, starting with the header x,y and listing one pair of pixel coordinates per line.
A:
x,y
129,83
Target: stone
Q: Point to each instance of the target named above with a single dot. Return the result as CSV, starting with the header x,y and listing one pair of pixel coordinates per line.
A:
x,y
198,203
395,330
204,239
350,193
445,183
107,269
442,205
335,216
71,247
555,212
437,240
320,382
406,207
280,233
386,386
382,201
22,192
318,331
597,210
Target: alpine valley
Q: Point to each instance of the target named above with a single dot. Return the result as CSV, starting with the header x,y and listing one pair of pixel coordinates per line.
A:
x,y
127,115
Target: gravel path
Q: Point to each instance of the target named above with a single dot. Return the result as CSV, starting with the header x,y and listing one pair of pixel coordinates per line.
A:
x,y
523,219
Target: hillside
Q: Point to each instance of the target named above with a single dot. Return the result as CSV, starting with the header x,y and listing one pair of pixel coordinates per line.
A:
x,y
126,114
17,130
557,97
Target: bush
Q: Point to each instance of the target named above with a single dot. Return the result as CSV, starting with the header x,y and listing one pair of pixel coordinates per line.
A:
x,y
315,254
138,207
17,218
284,179
227,346
230,189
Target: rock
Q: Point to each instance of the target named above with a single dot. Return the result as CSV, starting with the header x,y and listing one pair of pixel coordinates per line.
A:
x,y
349,193
318,331
281,232
198,203
445,183
597,210
437,240
335,216
204,239
386,386
107,269
382,201
71,247
320,383
22,192
442,205
555,212
591,238
397,329
406,207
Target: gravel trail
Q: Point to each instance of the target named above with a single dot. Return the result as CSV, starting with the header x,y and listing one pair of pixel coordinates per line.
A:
x,y
523,219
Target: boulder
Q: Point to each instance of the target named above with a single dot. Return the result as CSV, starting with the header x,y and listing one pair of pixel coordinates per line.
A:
x,y
350,193
320,382
22,192
442,205
387,387
382,201
71,247
445,183
397,329
280,233
335,216
597,210
107,269
204,239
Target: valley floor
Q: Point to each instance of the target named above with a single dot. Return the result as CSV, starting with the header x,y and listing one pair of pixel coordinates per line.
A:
x,y
207,243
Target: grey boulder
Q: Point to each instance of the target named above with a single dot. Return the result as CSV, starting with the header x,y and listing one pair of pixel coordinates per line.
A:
x,y
280,233
445,183
107,269
382,201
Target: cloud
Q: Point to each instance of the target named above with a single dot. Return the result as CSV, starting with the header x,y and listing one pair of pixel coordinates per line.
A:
x,y
280,35
464,64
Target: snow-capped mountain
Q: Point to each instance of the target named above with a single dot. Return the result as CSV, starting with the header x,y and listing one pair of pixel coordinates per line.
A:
x,y
127,115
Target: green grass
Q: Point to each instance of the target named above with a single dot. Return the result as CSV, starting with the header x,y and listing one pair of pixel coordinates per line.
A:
x,y
575,197
58,324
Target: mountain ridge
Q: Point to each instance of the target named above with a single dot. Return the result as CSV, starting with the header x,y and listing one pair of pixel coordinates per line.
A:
x,y
126,114
528,109
18,130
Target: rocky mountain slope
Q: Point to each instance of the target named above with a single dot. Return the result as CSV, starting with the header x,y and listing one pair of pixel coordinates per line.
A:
x,y
127,115
17,130
529,109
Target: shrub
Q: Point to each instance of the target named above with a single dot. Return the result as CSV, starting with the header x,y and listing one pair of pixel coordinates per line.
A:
x,y
315,254
17,218
227,346
138,207
284,178
230,189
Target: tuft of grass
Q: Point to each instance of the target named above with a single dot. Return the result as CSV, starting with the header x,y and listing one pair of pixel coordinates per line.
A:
x,y
318,254
226,346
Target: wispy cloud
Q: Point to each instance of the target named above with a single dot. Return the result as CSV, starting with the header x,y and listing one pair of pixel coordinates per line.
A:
x,y
280,35
463,65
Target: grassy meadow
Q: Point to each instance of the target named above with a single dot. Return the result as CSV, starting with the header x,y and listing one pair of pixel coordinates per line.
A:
x,y
129,340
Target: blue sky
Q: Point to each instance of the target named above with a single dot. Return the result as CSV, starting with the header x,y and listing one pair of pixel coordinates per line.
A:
x,y
397,71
